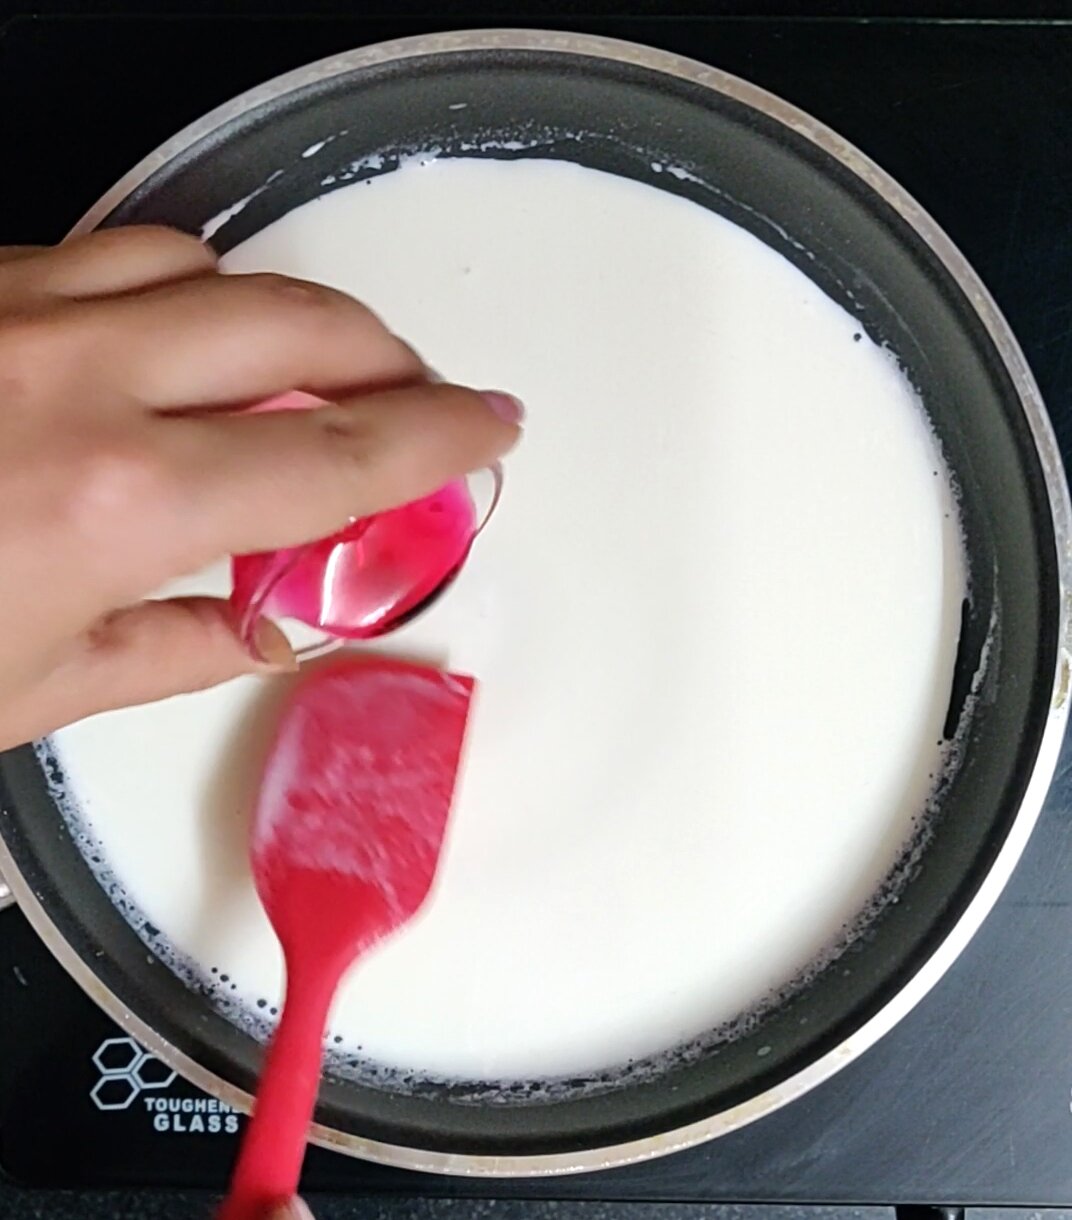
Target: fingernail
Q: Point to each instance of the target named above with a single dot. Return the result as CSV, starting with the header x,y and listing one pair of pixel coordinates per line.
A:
x,y
508,408
296,1209
271,648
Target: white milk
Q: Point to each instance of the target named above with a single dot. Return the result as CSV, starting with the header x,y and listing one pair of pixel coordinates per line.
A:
x,y
714,625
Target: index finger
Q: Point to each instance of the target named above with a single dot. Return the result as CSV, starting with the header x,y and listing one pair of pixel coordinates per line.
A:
x,y
257,482
227,339
102,263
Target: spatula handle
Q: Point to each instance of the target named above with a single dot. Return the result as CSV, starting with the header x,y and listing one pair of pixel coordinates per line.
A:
x,y
269,1162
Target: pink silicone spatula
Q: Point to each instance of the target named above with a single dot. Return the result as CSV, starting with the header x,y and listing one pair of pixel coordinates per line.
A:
x,y
347,832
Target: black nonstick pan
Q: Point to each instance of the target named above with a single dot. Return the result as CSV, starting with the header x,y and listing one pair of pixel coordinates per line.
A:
x,y
823,205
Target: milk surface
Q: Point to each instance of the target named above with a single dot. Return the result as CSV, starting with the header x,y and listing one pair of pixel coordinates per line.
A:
x,y
714,622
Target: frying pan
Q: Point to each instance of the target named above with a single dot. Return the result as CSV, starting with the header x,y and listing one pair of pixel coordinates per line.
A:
x,y
818,201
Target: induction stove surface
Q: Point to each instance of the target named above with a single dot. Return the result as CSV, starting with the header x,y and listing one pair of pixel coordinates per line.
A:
x,y
969,1099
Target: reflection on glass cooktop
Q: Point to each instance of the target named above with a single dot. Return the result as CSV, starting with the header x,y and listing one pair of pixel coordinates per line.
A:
x,y
968,1100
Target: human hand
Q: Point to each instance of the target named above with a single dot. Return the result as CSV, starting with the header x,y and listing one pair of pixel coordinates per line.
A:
x,y
120,467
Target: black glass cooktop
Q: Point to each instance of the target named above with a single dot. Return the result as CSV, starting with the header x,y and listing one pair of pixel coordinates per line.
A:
x,y
969,1100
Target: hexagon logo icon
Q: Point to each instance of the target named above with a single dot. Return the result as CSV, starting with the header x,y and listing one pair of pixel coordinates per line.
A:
x,y
152,1073
126,1069
114,1092
116,1055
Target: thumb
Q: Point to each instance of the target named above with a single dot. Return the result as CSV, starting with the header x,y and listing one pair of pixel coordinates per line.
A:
x,y
161,648
296,1209
148,652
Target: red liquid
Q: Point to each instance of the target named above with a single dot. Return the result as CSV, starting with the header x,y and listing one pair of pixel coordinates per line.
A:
x,y
369,577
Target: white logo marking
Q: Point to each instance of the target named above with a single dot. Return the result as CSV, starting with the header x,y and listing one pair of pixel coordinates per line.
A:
x,y
126,1070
